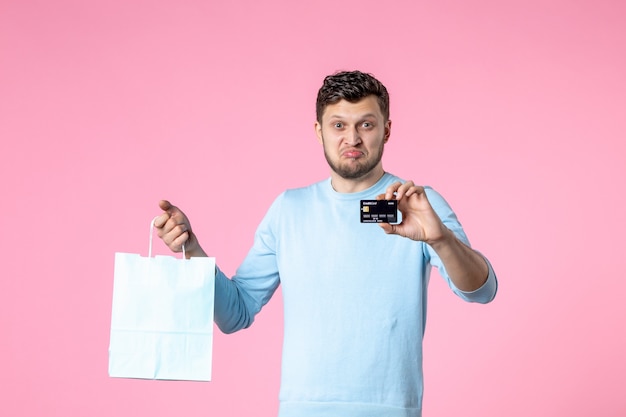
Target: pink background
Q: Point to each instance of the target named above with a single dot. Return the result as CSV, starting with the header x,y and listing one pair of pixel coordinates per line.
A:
x,y
514,110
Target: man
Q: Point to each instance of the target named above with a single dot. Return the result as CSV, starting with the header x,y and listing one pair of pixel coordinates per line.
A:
x,y
354,293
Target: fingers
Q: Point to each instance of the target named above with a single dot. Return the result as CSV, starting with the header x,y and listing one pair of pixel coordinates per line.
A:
x,y
399,190
166,206
176,241
389,228
160,220
170,212
391,190
174,235
172,226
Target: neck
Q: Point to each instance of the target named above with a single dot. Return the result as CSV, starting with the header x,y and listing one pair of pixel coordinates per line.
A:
x,y
354,185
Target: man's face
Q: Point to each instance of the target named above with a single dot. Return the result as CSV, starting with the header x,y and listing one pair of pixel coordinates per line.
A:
x,y
353,136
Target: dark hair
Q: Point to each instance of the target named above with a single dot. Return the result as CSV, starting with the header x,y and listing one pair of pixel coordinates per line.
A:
x,y
351,86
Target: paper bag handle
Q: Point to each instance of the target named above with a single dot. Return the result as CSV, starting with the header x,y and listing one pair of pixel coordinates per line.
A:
x,y
151,234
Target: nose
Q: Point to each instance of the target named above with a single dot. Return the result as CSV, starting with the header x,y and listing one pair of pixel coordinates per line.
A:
x,y
352,137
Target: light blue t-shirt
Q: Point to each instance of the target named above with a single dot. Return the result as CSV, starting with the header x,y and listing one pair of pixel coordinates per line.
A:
x,y
354,302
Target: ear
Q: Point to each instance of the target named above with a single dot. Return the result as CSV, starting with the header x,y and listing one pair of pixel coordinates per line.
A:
x,y
387,130
318,132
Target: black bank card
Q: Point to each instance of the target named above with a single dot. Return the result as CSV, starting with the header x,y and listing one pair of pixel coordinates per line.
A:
x,y
379,211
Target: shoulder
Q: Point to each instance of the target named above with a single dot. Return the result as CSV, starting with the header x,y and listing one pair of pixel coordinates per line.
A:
x,y
306,192
435,197
298,196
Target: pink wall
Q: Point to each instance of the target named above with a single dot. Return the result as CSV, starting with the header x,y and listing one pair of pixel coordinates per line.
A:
x,y
514,110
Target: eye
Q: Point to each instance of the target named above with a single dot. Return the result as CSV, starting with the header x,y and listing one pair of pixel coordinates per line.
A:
x,y
338,125
367,125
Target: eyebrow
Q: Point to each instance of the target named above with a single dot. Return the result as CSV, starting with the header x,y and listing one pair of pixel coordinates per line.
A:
x,y
339,116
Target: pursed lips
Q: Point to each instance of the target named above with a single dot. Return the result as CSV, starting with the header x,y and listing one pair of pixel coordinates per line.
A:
x,y
352,153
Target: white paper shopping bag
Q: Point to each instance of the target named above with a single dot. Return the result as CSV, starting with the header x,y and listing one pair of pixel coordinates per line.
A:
x,y
162,317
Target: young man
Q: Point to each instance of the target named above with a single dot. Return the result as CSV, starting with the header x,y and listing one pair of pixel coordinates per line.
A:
x,y
354,293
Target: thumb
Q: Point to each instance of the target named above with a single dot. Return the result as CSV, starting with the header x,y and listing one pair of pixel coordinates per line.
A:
x,y
165,205
388,228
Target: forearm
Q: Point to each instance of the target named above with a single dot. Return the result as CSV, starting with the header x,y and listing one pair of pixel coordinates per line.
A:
x,y
231,312
467,269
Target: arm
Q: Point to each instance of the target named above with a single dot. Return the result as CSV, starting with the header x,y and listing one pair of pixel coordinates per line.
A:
x,y
237,300
468,270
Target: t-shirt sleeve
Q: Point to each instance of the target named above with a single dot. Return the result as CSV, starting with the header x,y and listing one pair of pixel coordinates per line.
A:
x,y
238,300
488,290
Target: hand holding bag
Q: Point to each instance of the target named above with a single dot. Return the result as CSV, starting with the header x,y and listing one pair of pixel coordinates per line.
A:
x,y
162,317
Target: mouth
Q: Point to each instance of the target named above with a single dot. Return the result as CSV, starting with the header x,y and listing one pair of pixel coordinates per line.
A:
x,y
352,154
